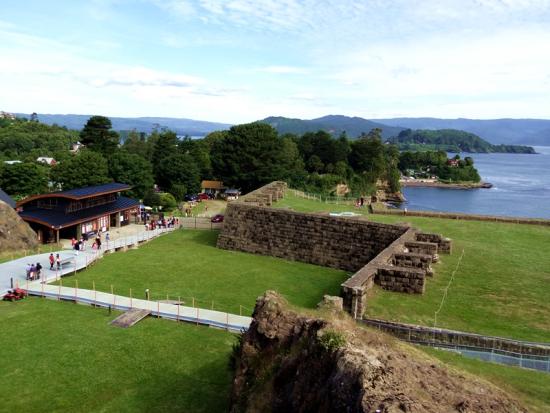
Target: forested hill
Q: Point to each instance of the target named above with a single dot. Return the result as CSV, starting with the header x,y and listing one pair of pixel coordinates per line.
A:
x,y
451,140
181,126
333,124
496,131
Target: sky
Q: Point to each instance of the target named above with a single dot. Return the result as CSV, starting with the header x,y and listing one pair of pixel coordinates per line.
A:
x,y
237,61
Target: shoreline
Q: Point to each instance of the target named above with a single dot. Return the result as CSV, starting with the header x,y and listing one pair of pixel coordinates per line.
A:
x,y
465,185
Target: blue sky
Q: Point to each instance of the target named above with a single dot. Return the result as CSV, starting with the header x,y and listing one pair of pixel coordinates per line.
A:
x,y
242,60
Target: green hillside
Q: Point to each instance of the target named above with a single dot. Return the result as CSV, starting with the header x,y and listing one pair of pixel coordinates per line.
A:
x,y
451,140
333,124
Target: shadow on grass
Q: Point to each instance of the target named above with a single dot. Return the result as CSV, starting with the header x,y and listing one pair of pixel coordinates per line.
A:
x,y
207,238
204,389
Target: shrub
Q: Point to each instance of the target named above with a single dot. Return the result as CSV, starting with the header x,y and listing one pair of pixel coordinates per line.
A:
x,y
331,340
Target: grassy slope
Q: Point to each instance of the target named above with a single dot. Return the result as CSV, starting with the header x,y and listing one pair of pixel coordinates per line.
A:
x,y
188,264
531,387
64,357
501,287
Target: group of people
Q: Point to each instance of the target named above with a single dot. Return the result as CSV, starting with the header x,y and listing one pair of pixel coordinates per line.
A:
x,y
171,222
79,245
55,260
34,271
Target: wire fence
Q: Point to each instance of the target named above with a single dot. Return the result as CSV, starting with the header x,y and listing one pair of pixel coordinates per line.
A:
x,y
338,200
199,223
500,350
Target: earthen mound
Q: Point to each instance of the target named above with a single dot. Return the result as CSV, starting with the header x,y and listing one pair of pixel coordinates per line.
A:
x,y
288,362
15,234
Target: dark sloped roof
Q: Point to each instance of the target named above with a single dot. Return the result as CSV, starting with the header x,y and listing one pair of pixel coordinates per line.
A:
x,y
6,198
80,193
58,219
95,190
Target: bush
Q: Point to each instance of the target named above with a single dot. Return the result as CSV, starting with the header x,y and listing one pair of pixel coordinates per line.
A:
x,y
331,340
168,202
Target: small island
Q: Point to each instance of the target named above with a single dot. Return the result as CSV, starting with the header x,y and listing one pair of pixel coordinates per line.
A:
x,y
451,140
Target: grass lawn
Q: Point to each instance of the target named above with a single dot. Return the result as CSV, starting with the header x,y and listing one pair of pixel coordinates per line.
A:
x,y
63,357
501,287
187,264
530,387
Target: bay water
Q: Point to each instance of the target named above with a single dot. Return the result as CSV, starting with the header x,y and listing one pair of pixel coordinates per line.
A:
x,y
521,188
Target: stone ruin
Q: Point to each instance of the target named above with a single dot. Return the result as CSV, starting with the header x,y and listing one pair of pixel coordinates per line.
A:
x,y
396,257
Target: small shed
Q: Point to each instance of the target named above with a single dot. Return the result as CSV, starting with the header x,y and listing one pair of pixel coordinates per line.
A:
x,y
212,187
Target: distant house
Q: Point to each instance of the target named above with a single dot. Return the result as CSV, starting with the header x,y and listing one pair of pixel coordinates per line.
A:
x,y
46,160
12,162
454,163
212,187
75,147
7,115
6,198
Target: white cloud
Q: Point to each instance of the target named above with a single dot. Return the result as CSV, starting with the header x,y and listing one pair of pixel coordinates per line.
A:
x,y
284,70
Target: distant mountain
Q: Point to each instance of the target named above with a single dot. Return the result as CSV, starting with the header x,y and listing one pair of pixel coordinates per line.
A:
x,y
334,124
451,140
496,131
181,126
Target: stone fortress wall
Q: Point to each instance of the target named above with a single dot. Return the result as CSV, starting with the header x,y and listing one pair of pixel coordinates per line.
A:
x,y
397,257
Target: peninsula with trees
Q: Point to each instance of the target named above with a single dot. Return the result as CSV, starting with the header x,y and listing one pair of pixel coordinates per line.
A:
x,y
451,140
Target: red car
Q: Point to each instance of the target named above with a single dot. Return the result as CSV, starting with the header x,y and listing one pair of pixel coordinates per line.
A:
x,y
203,197
217,218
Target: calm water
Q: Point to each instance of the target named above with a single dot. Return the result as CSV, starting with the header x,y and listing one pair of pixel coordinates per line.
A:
x,y
521,188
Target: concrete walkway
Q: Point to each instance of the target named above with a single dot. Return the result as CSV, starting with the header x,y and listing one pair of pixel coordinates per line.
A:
x,y
218,319
15,271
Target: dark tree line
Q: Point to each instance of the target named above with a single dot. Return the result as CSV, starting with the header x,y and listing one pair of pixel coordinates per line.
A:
x,y
245,156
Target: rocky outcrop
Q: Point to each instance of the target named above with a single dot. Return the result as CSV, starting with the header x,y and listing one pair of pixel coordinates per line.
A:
x,y
288,362
15,234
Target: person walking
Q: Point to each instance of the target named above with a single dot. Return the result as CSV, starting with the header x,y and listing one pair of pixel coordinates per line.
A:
x,y
98,242
58,261
38,270
52,261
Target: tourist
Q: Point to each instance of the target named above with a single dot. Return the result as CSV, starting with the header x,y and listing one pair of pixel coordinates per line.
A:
x,y
38,270
28,271
98,242
77,247
73,241
107,237
52,261
32,272
58,261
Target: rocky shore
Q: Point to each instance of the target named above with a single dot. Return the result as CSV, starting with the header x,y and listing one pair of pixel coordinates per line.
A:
x,y
458,185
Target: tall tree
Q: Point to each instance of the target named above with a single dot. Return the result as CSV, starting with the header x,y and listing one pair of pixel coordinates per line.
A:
x,y
86,168
249,156
181,170
165,145
98,136
133,170
23,179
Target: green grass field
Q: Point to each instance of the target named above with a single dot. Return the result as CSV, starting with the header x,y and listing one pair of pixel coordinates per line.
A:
x,y
187,264
501,287
59,356
63,357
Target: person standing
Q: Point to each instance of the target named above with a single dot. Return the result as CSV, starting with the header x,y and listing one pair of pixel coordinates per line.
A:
x,y
58,261
52,261
38,270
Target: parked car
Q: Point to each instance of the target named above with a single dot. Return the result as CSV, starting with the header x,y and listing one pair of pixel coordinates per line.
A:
x,y
203,196
191,198
217,218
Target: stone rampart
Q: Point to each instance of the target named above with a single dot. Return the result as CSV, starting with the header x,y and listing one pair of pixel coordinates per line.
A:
x,y
396,257
336,242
